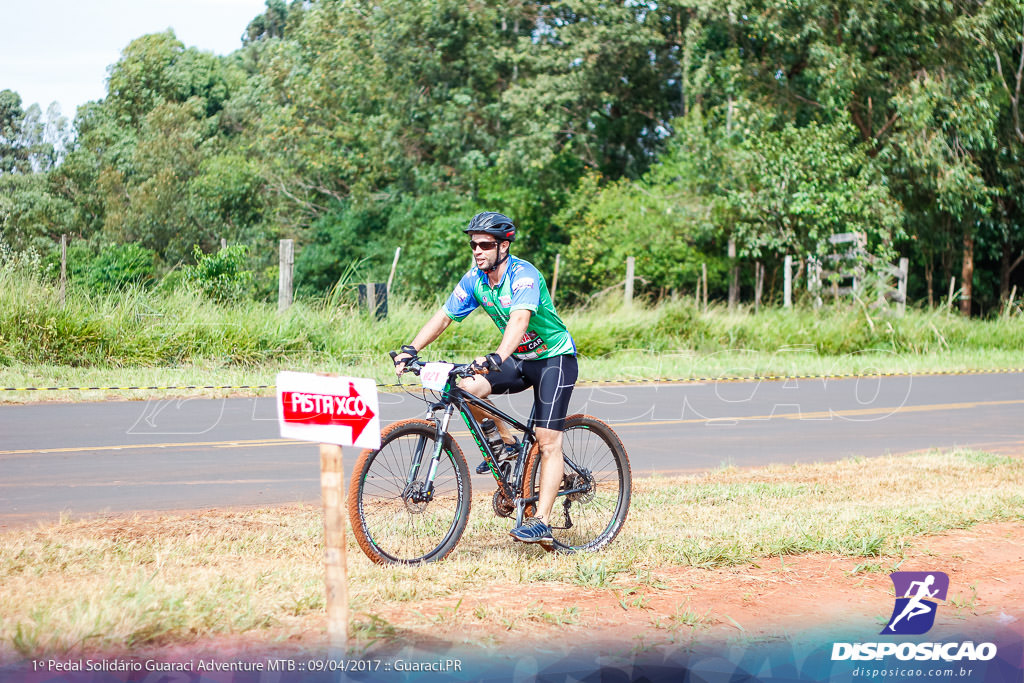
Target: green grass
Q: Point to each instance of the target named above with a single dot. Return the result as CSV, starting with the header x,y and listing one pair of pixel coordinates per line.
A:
x,y
113,584
146,338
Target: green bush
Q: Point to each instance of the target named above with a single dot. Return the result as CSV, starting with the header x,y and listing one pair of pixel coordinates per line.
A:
x,y
222,276
120,265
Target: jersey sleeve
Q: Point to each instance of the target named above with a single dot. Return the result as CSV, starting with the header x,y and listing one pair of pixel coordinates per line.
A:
x,y
462,301
524,282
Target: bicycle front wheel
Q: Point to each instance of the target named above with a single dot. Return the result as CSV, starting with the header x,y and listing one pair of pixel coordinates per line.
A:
x,y
396,521
591,515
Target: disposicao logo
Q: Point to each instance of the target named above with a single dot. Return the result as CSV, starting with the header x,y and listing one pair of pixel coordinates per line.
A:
x,y
917,596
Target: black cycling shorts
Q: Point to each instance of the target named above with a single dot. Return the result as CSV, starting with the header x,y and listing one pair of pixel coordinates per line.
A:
x,y
552,380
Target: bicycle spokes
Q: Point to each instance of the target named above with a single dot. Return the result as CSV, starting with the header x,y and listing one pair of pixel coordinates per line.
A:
x,y
396,520
594,492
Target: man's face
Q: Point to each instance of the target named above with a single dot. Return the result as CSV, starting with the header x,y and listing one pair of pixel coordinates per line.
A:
x,y
485,249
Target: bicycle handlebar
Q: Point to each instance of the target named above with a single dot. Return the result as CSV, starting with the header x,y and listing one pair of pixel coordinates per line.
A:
x,y
415,365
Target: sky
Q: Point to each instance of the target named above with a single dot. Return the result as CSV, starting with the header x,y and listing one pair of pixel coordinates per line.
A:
x,y
59,50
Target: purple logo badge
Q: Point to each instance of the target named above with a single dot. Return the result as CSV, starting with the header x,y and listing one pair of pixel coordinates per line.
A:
x,y
917,596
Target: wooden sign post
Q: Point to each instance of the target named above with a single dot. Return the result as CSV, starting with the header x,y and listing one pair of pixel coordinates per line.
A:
x,y
333,411
332,490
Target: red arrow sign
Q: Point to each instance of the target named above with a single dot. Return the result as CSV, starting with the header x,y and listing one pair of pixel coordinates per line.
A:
x,y
327,409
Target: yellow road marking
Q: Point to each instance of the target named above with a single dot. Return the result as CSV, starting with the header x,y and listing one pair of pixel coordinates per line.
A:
x,y
828,414
816,415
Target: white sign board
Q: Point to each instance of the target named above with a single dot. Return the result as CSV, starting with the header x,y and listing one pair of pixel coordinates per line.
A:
x,y
324,409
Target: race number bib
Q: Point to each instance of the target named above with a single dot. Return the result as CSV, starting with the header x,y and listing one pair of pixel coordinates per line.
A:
x,y
434,376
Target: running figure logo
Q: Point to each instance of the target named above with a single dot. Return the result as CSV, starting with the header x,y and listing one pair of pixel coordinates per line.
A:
x,y
917,594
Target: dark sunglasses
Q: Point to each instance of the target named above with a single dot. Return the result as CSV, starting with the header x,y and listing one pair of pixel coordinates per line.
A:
x,y
482,246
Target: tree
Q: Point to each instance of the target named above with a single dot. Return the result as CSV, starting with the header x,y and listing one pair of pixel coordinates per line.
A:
x,y
997,31
270,24
31,216
156,69
668,236
686,124
800,186
590,79
147,167
945,128
13,157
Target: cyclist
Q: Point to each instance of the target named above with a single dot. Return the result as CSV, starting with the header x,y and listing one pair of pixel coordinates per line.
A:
x,y
536,349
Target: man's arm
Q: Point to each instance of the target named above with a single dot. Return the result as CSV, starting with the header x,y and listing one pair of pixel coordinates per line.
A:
x,y
437,324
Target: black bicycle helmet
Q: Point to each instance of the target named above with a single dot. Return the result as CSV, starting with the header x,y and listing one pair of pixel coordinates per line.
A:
x,y
496,225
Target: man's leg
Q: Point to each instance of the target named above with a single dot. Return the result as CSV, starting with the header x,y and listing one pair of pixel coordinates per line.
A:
x,y
506,381
553,380
551,470
480,414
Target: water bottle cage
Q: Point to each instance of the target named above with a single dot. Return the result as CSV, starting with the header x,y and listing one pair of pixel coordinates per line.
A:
x,y
492,438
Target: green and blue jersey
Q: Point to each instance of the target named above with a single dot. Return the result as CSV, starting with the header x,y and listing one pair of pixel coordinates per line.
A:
x,y
521,288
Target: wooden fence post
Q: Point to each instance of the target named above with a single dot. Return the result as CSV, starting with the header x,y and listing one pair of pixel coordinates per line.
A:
x,y
758,284
394,265
949,299
787,286
704,284
284,280
901,285
554,278
814,279
63,267
630,274
332,491
734,275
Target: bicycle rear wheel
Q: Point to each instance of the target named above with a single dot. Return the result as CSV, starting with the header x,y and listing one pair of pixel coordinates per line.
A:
x,y
592,516
394,525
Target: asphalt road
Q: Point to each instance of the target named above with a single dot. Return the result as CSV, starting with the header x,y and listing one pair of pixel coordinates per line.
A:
x,y
85,459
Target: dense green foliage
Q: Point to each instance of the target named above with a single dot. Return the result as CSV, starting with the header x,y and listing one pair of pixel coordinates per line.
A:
x,y
663,130
120,266
221,276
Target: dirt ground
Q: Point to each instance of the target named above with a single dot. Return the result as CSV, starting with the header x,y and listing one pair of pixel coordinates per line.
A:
x,y
772,600
790,594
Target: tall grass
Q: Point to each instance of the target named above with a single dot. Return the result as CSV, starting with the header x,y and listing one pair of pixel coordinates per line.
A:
x,y
137,328
833,330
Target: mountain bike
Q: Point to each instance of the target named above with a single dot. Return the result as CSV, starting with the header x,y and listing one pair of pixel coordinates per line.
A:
x,y
409,500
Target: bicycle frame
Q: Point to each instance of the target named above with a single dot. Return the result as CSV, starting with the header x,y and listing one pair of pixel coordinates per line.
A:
x,y
456,398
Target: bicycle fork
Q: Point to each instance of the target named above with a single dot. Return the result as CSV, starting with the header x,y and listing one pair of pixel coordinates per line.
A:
x,y
425,491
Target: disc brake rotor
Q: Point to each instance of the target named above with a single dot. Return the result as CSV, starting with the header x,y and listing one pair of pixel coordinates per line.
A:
x,y
414,501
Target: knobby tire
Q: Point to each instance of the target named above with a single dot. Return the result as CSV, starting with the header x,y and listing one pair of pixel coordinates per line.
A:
x,y
392,529
597,516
